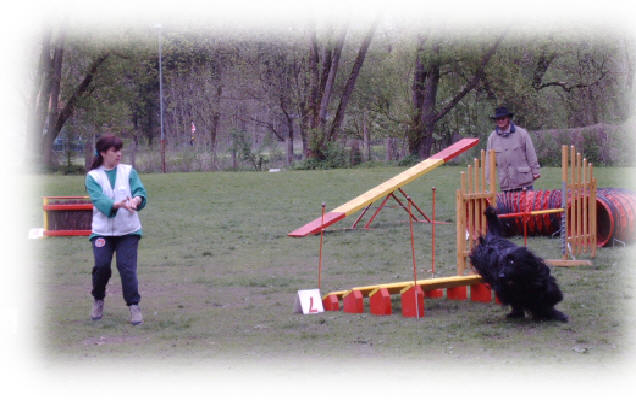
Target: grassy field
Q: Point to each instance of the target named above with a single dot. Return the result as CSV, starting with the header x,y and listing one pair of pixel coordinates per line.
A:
x,y
218,275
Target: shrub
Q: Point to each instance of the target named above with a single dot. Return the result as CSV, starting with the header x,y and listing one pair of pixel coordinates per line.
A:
x,y
409,160
600,144
335,158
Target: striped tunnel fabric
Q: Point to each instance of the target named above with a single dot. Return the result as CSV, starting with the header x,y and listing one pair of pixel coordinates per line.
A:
x,y
615,219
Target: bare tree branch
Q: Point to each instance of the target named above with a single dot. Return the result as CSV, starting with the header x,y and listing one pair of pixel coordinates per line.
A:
x,y
355,71
331,76
264,124
543,63
83,88
470,85
569,87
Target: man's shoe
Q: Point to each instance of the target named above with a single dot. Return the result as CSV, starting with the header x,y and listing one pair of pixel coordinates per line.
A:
x,y
98,309
135,315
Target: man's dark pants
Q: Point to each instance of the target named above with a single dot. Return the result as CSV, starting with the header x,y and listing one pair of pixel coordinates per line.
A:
x,y
521,189
126,249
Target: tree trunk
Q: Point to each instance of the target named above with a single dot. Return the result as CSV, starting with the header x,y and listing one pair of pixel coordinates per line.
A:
x,y
53,99
355,157
429,103
366,138
303,139
133,151
331,76
314,82
213,130
425,96
234,154
391,149
57,121
41,97
89,151
425,86
355,71
290,140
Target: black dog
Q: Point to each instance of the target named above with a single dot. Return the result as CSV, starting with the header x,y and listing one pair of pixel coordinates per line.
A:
x,y
520,279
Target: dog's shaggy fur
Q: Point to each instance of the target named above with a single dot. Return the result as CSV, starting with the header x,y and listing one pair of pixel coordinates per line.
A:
x,y
520,279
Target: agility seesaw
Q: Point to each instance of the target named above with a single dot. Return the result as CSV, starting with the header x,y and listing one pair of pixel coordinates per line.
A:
x,y
385,188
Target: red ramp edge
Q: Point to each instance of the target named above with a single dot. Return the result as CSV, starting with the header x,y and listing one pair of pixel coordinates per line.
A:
x,y
314,226
455,149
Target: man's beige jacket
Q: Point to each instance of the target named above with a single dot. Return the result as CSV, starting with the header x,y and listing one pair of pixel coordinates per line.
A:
x,y
516,159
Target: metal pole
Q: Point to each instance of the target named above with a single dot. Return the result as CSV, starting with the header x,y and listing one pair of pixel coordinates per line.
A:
x,y
163,137
525,217
417,310
433,234
564,199
322,230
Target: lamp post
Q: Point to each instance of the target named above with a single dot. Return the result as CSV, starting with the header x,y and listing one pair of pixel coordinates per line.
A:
x,y
163,137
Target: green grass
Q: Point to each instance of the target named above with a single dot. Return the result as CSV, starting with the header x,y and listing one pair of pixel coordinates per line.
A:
x,y
218,275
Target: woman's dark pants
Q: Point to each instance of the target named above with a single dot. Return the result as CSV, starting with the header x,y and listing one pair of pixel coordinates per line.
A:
x,y
126,249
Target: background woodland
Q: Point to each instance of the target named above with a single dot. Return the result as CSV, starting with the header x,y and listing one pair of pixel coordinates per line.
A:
x,y
327,95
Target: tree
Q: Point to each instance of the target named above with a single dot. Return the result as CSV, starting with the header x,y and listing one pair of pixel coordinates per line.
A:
x,y
429,69
559,81
83,82
279,77
419,91
381,104
321,86
60,109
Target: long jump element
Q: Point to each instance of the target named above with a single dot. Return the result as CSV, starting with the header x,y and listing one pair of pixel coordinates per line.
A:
x,y
385,188
395,287
380,295
67,215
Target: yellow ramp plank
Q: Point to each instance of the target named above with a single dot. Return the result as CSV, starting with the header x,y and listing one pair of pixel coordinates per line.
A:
x,y
388,186
426,284
567,263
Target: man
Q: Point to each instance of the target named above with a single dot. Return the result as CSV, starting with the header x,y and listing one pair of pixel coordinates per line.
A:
x,y
517,166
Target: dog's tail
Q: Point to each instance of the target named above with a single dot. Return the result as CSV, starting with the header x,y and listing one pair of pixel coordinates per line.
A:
x,y
494,225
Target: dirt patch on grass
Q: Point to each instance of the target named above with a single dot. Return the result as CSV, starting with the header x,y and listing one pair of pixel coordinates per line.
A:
x,y
196,297
116,340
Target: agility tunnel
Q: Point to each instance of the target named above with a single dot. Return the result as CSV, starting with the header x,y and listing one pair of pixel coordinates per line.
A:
x,y
615,213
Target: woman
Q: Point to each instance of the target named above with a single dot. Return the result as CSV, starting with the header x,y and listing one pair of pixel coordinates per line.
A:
x,y
117,195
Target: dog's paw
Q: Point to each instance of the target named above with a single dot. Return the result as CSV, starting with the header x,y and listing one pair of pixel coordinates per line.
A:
x,y
560,316
515,314
551,315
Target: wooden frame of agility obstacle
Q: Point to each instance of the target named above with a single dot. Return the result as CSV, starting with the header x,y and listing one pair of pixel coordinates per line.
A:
x,y
578,230
578,180
472,198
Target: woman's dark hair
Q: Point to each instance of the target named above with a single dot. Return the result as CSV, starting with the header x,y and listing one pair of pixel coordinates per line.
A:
x,y
103,144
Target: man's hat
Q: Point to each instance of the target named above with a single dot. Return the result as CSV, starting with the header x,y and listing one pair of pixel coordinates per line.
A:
x,y
501,112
